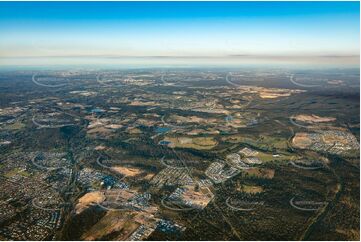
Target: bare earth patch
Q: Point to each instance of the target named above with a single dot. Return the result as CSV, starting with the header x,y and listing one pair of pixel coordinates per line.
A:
x,y
89,199
301,140
197,198
313,118
127,171
100,147
198,143
335,82
272,93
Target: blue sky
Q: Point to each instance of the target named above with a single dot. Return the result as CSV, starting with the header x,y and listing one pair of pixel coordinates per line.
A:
x,y
178,29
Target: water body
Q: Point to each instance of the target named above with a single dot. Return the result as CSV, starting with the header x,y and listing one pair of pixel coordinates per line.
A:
x,y
164,142
162,130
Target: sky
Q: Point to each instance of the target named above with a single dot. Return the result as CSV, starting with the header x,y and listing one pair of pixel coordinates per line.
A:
x,y
179,32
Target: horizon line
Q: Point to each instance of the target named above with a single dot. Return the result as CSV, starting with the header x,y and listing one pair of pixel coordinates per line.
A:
x,y
185,56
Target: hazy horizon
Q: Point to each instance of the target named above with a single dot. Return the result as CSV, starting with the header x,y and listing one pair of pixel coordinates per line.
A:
x,y
179,33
